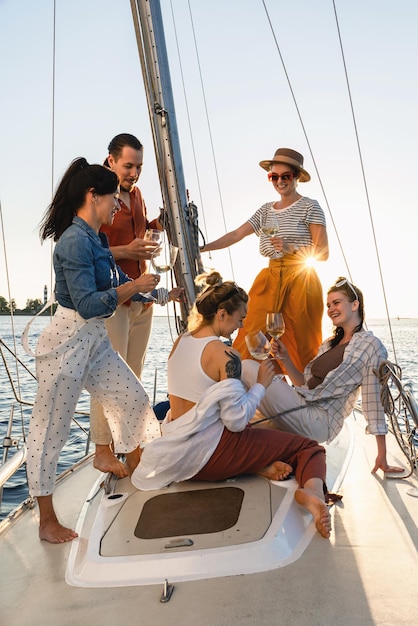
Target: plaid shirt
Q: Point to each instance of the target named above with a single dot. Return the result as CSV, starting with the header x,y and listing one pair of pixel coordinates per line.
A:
x,y
338,393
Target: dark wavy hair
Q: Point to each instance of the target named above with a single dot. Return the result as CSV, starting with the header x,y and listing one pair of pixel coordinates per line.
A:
x,y
353,293
119,142
70,195
215,295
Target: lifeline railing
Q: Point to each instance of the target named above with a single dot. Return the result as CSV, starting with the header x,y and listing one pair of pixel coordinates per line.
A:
x,y
401,409
10,466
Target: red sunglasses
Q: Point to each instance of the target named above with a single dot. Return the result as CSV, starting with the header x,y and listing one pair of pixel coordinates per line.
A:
x,y
273,178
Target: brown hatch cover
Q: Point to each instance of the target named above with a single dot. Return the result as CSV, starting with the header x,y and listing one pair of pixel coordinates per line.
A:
x,y
189,513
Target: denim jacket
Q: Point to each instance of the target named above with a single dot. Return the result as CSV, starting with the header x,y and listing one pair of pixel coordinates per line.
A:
x,y
86,273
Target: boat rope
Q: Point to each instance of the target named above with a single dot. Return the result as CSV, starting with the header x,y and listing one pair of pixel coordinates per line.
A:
x,y
384,374
401,408
366,190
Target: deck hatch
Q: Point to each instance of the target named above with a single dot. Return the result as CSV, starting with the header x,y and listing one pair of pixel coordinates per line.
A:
x,y
189,513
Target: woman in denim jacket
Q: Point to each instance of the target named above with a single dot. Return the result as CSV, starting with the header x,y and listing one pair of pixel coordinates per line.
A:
x,y
74,352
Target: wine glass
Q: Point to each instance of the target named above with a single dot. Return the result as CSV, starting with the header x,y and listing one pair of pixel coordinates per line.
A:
x,y
258,345
275,324
154,235
164,257
272,229
271,226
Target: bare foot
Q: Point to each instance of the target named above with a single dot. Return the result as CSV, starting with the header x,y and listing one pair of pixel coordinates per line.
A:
x,y
54,532
276,471
320,512
132,460
105,461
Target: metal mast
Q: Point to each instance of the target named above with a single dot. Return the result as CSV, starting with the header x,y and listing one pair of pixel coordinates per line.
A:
x,y
180,216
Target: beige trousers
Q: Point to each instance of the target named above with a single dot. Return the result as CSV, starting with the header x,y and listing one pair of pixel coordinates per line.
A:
x,y
129,331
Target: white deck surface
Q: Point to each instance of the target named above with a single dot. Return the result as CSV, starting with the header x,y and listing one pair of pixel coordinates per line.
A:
x,y
366,574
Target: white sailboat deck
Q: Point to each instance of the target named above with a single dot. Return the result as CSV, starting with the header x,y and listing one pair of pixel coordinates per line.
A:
x,y
357,577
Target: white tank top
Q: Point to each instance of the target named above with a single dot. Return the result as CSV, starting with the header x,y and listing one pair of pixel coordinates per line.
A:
x,y
185,376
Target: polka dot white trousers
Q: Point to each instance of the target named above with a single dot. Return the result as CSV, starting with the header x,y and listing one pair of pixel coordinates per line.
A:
x,y
74,354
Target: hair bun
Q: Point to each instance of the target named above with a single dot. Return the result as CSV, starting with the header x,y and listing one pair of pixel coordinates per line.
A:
x,y
212,279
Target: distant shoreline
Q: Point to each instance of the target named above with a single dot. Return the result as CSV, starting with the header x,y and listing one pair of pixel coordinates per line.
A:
x,y
20,313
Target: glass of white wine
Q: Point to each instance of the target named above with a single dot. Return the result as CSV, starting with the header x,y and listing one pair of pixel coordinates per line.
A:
x,y
164,257
272,229
258,345
275,324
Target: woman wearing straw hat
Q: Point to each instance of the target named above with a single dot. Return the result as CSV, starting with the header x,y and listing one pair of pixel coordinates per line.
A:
x,y
291,231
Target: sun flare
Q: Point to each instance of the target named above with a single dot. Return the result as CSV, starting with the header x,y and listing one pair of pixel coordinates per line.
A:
x,y
311,261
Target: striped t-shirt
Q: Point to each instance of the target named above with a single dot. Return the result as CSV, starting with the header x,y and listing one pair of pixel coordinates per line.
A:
x,y
292,222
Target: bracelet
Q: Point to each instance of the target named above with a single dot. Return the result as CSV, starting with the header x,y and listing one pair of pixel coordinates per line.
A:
x,y
162,296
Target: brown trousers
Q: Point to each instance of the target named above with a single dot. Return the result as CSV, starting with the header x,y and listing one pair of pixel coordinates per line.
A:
x,y
252,449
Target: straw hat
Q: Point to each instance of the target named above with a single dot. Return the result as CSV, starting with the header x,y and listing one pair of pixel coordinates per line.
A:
x,y
290,157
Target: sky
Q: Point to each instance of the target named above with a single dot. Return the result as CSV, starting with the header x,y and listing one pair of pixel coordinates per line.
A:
x,y
234,108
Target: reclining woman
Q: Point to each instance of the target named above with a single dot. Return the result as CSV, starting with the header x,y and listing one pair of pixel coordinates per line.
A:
x,y
326,393
206,435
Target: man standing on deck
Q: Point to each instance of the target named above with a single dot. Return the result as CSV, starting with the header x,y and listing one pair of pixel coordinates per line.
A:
x,y
129,328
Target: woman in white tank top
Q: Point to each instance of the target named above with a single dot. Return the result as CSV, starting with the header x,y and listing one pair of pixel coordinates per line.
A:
x,y
206,434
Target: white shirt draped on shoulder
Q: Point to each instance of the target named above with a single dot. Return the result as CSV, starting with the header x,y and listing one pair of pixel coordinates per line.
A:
x,y
188,442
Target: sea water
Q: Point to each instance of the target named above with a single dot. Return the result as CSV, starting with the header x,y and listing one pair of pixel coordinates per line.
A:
x,y
401,338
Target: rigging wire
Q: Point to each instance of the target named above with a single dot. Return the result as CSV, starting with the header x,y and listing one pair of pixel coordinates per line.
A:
x,y
18,395
11,303
51,275
187,112
364,180
209,128
306,137
316,168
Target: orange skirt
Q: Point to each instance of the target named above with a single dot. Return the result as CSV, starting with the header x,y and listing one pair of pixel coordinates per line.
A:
x,y
289,286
